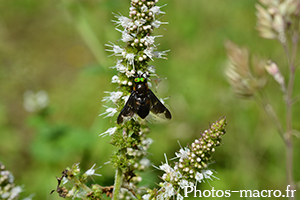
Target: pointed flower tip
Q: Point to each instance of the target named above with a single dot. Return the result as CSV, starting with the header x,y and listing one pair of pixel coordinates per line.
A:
x,y
222,120
91,171
109,131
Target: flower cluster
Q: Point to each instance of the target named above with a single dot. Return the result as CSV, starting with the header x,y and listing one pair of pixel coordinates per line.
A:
x,y
140,48
72,183
276,18
8,190
245,76
192,167
35,102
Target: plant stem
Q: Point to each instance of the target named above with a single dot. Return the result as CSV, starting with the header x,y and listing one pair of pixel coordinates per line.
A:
x,y
289,102
288,134
264,103
118,183
80,184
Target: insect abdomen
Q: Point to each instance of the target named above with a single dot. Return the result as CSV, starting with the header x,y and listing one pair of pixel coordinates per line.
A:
x,y
143,111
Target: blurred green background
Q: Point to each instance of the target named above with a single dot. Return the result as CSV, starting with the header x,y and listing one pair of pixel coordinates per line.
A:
x,y
58,46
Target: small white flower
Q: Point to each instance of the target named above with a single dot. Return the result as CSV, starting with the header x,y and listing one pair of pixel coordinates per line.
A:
x,y
145,162
15,192
149,52
169,190
125,22
114,96
130,58
146,196
140,22
109,131
156,10
120,67
5,195
115,79
184,183
170,171
144,8
166,168
179,197
6,176
160,54
110,112
125,98
199,177
208,174
157,23
147,141
76,193
91,172
126,37
147,27
34,102
130,151
64,180
150,39
130,73
138,179
151,69
160,197
183,153
29,197
162,100
116,49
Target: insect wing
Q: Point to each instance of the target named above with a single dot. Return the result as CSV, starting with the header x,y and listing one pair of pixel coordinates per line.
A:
x,y
129,109
157,107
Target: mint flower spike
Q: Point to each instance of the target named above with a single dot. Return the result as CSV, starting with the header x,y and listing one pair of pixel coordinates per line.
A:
x,y
140,48
8,189
192,166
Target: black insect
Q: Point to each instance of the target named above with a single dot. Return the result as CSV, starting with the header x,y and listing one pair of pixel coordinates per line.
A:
x,y
141,101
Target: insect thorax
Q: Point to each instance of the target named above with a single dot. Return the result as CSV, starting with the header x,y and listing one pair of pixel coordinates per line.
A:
x,y
141,88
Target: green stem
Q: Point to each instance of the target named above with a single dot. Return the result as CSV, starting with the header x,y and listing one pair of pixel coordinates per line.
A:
x,y
118,184
288,134
80,184
289,102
